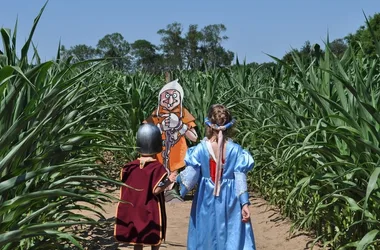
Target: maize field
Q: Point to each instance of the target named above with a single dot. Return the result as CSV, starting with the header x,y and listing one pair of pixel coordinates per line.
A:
x,y
312,129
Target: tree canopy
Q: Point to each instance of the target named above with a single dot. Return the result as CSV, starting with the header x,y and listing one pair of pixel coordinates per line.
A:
x,y
200,48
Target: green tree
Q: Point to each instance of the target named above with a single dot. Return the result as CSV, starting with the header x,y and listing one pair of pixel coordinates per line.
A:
x,y
338,47
192,53
213,54
113,45
173,45
363,39
145,56
288,57
224,57
79,52
307,54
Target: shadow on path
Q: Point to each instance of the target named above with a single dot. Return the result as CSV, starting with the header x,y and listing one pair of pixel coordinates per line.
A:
x,y
101,238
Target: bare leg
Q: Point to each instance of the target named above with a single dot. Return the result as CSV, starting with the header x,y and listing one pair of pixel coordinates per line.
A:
x,y
138,247
155,247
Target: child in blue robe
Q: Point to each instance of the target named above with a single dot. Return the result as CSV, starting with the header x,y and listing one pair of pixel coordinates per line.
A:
x,y
220,217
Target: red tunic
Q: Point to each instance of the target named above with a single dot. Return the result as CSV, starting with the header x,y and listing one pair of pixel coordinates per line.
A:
x,y
212,164
143,221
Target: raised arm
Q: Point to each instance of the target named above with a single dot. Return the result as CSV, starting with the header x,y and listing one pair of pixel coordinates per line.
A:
x,y
189,177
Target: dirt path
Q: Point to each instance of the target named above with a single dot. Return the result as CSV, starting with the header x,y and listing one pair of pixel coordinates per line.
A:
x,y
270,229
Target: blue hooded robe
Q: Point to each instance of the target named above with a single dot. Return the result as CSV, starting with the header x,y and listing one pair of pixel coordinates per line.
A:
x,y
216,221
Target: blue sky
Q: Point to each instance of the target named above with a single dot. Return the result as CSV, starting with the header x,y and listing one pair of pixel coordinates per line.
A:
x,y
254,27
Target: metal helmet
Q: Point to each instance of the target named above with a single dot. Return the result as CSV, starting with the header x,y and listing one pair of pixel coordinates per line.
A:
x,y
149,139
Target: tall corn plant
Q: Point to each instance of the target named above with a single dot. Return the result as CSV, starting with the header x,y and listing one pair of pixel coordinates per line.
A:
x,y
47,149
322,148
137,98
202,89
131,99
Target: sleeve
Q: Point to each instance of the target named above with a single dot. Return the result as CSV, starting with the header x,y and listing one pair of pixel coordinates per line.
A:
x,y
190,175
188,118
244,163
151,118
191,125
158,177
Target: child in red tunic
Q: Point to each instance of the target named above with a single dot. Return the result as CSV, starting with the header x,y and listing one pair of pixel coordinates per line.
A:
x,y
142,220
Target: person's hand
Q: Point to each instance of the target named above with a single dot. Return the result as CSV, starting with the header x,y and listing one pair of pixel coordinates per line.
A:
x,y
245,213
171,121
172,177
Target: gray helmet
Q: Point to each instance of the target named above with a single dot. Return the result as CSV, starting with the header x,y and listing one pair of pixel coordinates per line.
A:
x,y
149,139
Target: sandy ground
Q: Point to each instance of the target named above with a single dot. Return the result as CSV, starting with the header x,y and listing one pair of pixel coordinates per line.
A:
x,y
271,230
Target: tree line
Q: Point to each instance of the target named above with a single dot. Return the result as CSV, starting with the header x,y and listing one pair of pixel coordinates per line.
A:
x,y
363,41
192,49
202,48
